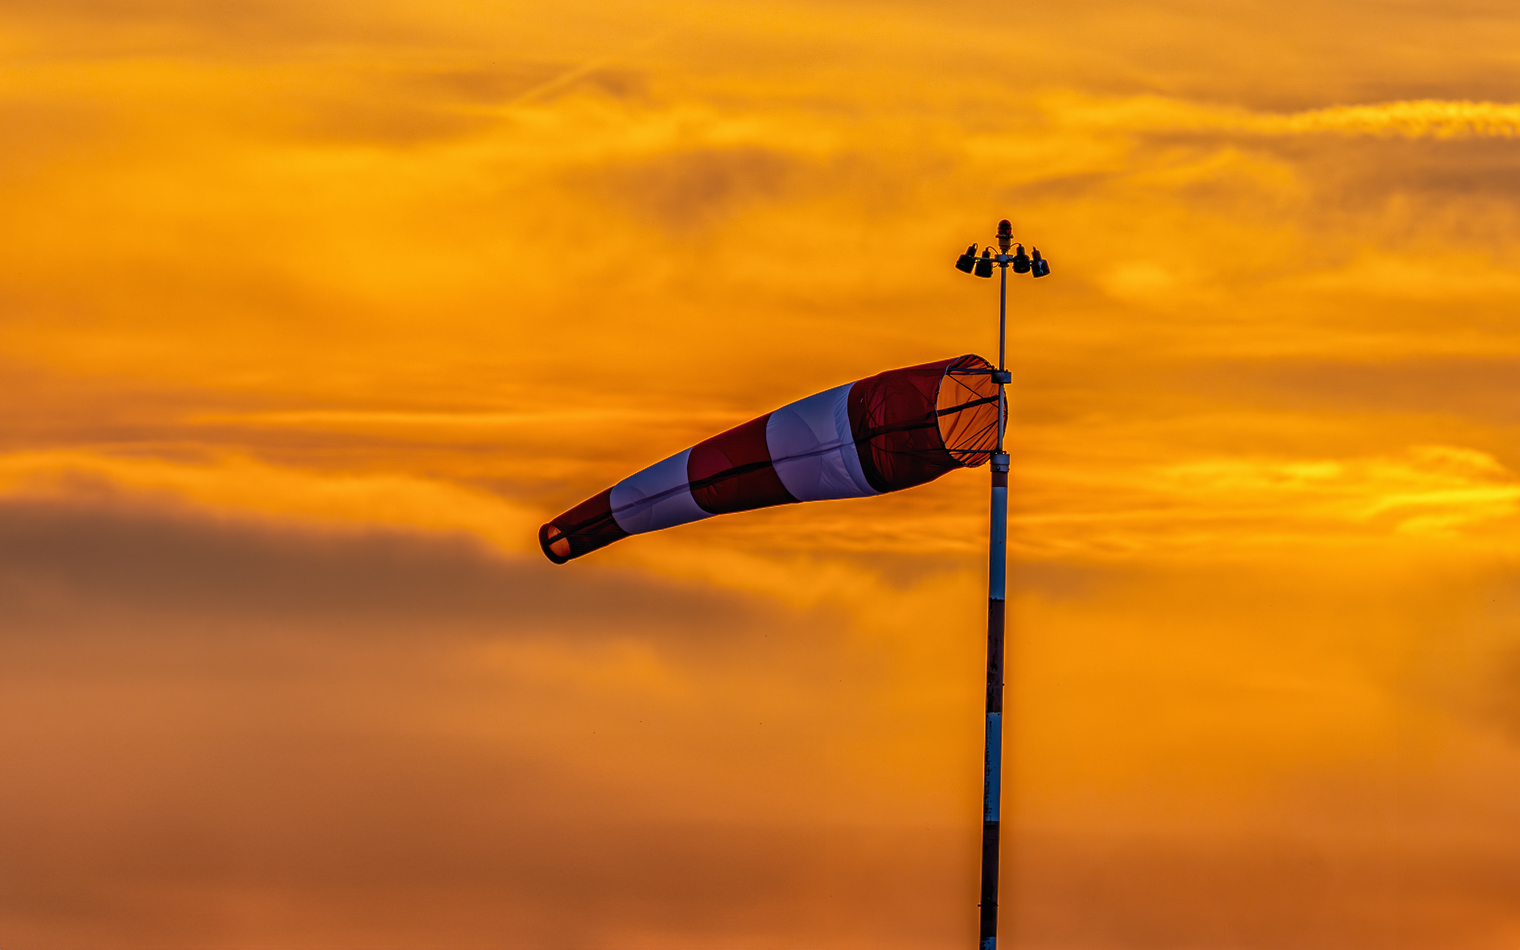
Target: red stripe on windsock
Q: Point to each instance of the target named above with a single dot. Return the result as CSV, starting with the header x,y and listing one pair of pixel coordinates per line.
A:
x,y
732,471
896,427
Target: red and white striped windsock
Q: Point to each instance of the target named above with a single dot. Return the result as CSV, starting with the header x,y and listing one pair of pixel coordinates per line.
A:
x,y
883,433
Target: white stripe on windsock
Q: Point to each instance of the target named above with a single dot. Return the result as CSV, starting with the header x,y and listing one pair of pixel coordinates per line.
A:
x,y
813,449
657,497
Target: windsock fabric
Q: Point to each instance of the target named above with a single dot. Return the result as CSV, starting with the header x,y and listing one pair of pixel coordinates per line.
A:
x,y
883,433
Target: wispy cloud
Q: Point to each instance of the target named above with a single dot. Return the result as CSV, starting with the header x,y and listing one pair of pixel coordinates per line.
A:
x,y
250,488
1422,118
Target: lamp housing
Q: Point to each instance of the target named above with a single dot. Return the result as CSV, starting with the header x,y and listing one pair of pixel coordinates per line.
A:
x,y
967,261
984,265
1038,265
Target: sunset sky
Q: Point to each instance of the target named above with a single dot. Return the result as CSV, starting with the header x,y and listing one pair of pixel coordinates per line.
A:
x,y
311,312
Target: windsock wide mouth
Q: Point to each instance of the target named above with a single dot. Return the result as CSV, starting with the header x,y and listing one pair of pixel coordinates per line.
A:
x,y
968,411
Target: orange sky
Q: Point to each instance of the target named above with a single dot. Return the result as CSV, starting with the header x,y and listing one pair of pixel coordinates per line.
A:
x,y
311,313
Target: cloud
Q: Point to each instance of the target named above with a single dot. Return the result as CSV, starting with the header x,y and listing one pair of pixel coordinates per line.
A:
x,y
1431,491
122,555
695,189
1259,893
253,488
312,312
250,732
230,732
1425,118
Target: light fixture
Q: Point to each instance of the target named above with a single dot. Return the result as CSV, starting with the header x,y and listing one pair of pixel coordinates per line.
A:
x,y
1021,263
984,266
1038,265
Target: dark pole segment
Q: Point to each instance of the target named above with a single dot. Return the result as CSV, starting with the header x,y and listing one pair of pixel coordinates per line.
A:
x,y
1002,333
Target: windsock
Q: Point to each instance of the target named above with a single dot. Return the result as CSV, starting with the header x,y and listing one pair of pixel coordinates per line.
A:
x,y
883,433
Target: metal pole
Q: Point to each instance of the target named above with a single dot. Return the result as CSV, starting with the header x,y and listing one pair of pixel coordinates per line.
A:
x,y
997,575
1002,335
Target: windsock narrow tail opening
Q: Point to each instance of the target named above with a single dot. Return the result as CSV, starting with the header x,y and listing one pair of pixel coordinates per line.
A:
x,y
581,530
883,433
